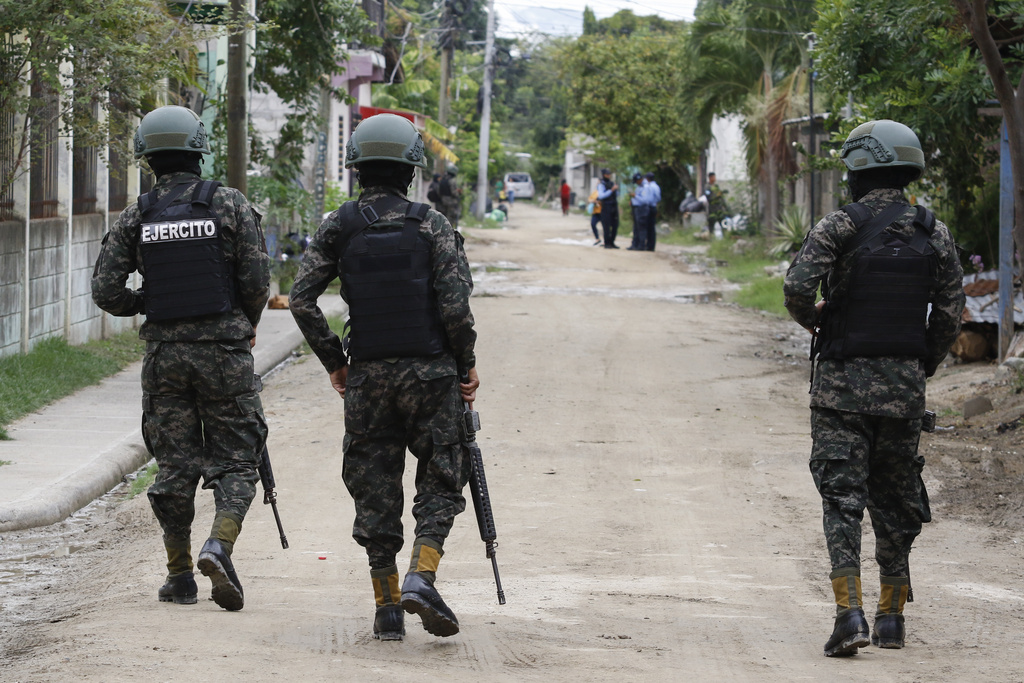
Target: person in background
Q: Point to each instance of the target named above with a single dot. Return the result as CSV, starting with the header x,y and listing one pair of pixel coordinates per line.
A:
x,y
565,192
594,209
608,194
638,206
653,195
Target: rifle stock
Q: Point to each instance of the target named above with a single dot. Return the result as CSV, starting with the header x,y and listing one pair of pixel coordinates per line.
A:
x,y
481,497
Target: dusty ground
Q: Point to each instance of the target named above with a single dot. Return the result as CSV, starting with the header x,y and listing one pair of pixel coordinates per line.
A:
x,y
647,461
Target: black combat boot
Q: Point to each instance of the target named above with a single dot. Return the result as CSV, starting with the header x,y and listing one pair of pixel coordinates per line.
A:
x,y
890,631
389,623
180,589
849,634
850,631
420,597
215,563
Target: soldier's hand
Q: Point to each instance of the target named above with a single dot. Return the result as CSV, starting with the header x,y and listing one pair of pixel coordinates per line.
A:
x,y
468,388
338,378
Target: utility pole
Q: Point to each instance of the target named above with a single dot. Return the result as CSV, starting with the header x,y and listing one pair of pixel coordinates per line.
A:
x,y
482,182
238,123
812,142
447,57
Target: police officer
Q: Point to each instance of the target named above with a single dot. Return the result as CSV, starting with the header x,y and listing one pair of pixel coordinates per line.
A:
x,y
608,195
880,263
206,277
406,279
638,205
653,197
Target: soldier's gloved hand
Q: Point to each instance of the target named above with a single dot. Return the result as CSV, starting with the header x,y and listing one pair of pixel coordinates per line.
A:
x,y
338,379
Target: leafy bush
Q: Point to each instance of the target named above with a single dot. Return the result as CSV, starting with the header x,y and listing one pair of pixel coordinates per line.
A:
x,y
790,230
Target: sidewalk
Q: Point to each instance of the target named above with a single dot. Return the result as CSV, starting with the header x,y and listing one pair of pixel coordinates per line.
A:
x,y
75,450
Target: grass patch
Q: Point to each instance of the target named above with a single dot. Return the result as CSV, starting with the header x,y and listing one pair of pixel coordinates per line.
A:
x,y
764,294
54,369
6,462
144,479
335,322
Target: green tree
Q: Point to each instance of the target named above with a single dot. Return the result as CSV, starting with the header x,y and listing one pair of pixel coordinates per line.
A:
x,y
748,59
628,91
299,45
913,62
115,51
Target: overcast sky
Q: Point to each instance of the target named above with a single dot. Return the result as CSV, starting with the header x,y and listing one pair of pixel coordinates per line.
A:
x,y
519,18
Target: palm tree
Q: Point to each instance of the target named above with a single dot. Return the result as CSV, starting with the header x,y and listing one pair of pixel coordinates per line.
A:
x,y
749,60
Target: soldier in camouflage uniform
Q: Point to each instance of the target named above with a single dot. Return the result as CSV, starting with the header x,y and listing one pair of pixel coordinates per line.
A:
x,y
451,195
406,279
880,262
200,250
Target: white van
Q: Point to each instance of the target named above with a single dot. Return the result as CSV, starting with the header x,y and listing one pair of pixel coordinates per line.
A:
x,y
520,183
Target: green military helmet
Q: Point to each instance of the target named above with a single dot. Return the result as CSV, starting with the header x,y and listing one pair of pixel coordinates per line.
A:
x,y
882,144
385,137
171,128
451,168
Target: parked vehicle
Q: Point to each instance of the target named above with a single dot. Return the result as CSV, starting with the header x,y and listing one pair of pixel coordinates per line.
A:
x,y
521,184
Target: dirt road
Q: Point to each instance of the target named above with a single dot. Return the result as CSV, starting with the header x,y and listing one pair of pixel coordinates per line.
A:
x,y
647,461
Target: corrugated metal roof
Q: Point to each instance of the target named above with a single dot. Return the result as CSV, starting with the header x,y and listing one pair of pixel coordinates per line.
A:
x,y
982,291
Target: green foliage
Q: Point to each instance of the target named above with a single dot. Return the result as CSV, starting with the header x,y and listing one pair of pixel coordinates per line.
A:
x,y
628,91
143,479
763,294
789,232
914,62
118,51
53,369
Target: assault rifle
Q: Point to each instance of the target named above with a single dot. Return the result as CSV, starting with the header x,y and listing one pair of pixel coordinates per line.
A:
x,y
481,498
266,473
269,494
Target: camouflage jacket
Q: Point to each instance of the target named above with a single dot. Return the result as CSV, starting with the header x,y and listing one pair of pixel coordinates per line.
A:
x,y
451,280
244,246
886,386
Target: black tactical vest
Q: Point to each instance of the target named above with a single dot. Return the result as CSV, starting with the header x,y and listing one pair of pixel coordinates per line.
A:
x,y
187,272
388,280
885,309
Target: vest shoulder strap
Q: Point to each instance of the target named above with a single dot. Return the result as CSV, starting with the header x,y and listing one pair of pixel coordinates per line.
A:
x,y
355,220
874,227
149,206
414,215
204,191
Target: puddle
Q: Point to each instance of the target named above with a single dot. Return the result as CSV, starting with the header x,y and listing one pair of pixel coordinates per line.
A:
x,y
700,298
498,286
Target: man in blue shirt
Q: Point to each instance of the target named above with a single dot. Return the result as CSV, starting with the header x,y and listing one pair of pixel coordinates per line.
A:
x,y
638,204
652,195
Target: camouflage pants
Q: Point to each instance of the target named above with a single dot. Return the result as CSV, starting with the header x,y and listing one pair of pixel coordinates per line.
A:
x,y
452,210
390,407
201,417
869,461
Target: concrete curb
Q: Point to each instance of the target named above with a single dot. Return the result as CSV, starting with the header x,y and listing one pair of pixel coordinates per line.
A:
x,y
102,473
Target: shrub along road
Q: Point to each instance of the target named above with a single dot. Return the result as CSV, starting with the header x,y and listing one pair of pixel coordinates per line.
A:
x,y
656,519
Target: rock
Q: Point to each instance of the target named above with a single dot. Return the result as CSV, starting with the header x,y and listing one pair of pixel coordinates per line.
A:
x,y
976,406
970,347
1014,364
